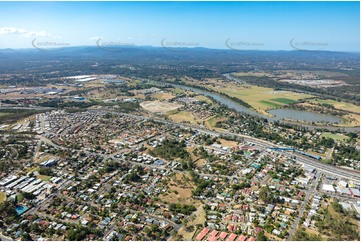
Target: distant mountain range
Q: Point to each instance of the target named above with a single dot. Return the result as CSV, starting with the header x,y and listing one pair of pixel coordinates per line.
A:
x,y
166,51
212,59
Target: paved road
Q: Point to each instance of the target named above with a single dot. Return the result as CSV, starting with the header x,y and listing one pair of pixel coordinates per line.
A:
x,y
304,204
260,143
353,175
49,142
5,238
26,108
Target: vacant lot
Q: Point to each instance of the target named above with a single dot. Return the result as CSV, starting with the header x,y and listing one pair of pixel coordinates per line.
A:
x,y
350,120
198,217
212,121
180,190
228,143
177,90
339,105
2,197
159,107
163,96
183,116
43,177
203,98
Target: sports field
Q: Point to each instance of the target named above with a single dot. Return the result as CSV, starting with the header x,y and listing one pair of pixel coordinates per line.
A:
x,y
159,107
336,137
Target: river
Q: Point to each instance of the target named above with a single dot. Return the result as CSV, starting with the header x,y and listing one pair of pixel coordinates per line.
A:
x,y
280,114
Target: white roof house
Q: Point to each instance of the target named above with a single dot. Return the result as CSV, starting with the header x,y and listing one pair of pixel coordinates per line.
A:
x,y
328,188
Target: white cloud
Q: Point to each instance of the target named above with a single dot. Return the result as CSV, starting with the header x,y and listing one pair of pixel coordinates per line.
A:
x,y
95,38
11,30
25,33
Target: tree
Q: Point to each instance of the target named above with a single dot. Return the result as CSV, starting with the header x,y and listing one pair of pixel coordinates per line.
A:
x,y
265,194
261,237
46,171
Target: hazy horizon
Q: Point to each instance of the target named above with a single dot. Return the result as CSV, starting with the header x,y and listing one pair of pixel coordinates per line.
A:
x,y
273,26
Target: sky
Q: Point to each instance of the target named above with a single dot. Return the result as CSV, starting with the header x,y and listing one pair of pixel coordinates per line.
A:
x,y
331,26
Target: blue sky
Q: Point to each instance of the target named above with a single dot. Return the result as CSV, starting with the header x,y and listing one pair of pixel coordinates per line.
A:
x,y
222,25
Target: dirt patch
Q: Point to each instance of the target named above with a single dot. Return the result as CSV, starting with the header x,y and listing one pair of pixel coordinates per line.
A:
x,y
180,190
164,96
198,217
183,116
159,107
228,143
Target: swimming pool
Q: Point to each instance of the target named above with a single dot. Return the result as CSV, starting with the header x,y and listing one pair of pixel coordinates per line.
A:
x,y
20,209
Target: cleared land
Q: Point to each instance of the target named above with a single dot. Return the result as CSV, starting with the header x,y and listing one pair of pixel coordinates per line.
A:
x,y
203,98
261,98
228,143
338,105
198,218
163,96
177,90
180,190
183,116
43,177
2,197
212,121
159,107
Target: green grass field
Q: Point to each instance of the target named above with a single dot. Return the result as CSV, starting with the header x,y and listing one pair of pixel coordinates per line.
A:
x,y
43,177
335,137
203,98
212,121
177,90
183,116
261,98
271,104
284,100
20,197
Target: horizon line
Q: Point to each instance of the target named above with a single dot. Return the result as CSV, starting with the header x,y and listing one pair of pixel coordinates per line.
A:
x,y
180,47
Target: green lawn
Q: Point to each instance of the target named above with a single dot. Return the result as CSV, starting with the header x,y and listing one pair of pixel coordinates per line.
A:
x,y
271,104
43,177
261,98
335,137
20,197
284,100
177,90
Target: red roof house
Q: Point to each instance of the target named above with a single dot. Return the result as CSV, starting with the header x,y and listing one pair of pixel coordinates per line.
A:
x,y
203,233
232,237
241,238
223,235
